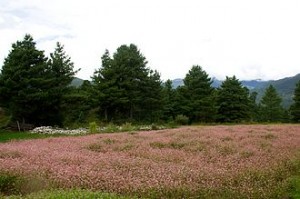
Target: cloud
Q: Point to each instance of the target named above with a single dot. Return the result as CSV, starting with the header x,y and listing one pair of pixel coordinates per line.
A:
x,y
253,39
54,38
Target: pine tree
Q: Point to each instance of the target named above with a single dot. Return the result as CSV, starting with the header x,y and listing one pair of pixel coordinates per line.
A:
x,y
198,94
151,104
233,101
126,87
295,108
109,96
254,107
32,86
77,103
62,74
270,105
23,82
62,67
168,96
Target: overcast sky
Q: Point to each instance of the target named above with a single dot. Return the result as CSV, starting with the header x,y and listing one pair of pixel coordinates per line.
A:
x,y
253,39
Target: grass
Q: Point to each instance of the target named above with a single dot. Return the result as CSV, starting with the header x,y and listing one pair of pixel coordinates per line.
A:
x,y
67,194
9,184
6,136
295,187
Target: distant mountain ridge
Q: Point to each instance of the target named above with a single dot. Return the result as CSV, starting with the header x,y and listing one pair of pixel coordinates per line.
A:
x,y
285,87
77,82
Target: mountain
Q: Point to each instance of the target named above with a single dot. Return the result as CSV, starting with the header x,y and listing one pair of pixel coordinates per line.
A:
x,y
77,82
285,87
177,82
252,84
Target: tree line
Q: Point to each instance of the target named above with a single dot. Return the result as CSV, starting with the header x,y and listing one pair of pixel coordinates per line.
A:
x,y
36,89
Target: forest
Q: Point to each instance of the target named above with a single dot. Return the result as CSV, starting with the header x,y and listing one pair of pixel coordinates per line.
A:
x,y
36,89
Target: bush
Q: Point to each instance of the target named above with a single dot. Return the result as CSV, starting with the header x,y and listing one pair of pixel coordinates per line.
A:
x,y
4,119
154,127
112,128
93,127
127,127
172,124
8,184
182,120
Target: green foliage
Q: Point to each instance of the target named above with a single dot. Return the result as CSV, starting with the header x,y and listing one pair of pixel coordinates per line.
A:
x,y
62,74
127,127
72,193
77,105
96,147
4,118
23,83
6,136
270,106
125,88
294,187
9,184
233,101
198,96
168,100
295,108
181,119
111,128
254,107
32,86
285,88
93,127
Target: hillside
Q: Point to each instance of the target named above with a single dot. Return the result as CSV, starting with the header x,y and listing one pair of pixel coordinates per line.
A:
x,y
285,87
76,82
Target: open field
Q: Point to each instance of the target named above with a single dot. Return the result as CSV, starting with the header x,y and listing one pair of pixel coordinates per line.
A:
x,y
241,161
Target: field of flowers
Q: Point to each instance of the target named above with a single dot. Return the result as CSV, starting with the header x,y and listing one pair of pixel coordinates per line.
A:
x,y
238,161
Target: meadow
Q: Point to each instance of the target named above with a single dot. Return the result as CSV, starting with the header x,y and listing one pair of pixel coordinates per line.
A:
x,y
238,161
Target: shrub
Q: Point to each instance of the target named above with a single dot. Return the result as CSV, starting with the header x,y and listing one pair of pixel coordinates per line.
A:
x,y
8,184
127,127
172,124
93,127
4,119
111,128
154,127
182,120
96,147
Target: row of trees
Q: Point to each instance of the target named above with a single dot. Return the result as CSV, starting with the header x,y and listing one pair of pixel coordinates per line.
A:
x,y
36,89
32,86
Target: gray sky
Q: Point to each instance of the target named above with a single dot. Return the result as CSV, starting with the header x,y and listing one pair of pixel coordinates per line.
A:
x,y
257,39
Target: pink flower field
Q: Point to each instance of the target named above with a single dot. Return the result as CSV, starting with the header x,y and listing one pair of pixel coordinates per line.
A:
x,y
247,159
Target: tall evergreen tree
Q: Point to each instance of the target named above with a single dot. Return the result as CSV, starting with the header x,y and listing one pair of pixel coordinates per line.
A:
x,y
62,74
295,108
254,107
181,102
77,103
198,93
32,86
151,103
122,84
168,101
23,82
233,101
109,96
270,105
